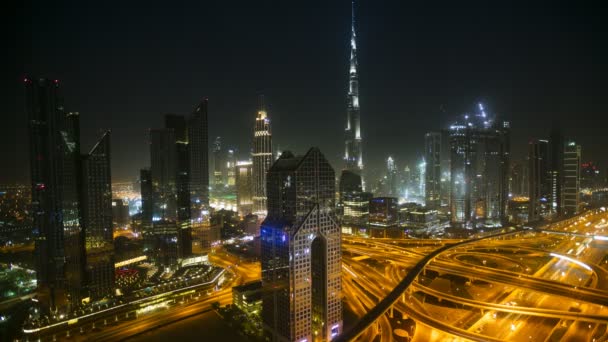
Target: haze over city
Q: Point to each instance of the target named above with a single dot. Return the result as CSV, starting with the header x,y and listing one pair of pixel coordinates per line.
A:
x,y
304,172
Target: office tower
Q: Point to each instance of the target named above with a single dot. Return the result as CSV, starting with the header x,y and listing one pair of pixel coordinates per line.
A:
x,y
353,154
147,197
218,163
165,241
556,164
230,177
178,124
406,181
539,189
571,178
199,157
383,212
354,203
479,160
518,179
184,207
300,251
392,181
163,167
445,168
120,212
244,187
54,160
262,158
422,178
590,176
432,179
96,209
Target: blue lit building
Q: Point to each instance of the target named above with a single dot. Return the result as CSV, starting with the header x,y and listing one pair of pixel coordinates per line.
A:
x,y
300,251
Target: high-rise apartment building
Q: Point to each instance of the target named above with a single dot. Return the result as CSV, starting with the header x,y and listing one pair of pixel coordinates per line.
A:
x,y
300,251
54,169
571,185
262,158
432,179
96,213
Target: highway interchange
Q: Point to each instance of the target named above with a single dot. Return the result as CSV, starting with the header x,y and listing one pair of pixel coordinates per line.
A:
x,y
521,286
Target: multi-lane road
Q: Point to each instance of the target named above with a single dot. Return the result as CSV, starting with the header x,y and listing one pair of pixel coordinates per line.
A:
x,y
527,285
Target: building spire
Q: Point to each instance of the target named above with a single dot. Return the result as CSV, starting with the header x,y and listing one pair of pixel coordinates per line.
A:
x,y
262,110
353,155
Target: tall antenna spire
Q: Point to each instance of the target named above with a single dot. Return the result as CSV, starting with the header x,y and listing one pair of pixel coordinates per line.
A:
x,y
353,16
353,155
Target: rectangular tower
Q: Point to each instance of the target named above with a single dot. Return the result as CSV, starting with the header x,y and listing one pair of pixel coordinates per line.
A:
x,y
539,189
244,187
432,156
571,178
198,139
54,158
163,160
262,158
300,246
96,199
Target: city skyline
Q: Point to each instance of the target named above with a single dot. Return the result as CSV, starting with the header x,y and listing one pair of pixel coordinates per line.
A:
x,y
467,200
407,84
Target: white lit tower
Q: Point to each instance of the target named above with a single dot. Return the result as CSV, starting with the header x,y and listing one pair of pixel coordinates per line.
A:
x,y
262,158
353,155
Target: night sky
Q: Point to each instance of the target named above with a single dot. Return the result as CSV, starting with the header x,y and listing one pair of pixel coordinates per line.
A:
x,y
421,65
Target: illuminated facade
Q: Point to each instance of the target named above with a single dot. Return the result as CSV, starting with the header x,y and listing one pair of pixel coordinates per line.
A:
x,y
354,203
571,178
432,179
54,153
353,154
480,154
244,187
383,212
539,188
96,206
218,162
300,251
262,158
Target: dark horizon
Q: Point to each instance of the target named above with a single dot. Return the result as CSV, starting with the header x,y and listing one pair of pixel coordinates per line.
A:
x,y
420,68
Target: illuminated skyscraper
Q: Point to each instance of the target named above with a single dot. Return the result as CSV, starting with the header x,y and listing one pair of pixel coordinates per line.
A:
x,y
230,178
218,162
54,158
300,246
539,189
571,178
479,161
353,154
556,165
244,187
354,203
163,160
262,158
198,140
96,199
392,180
432,179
